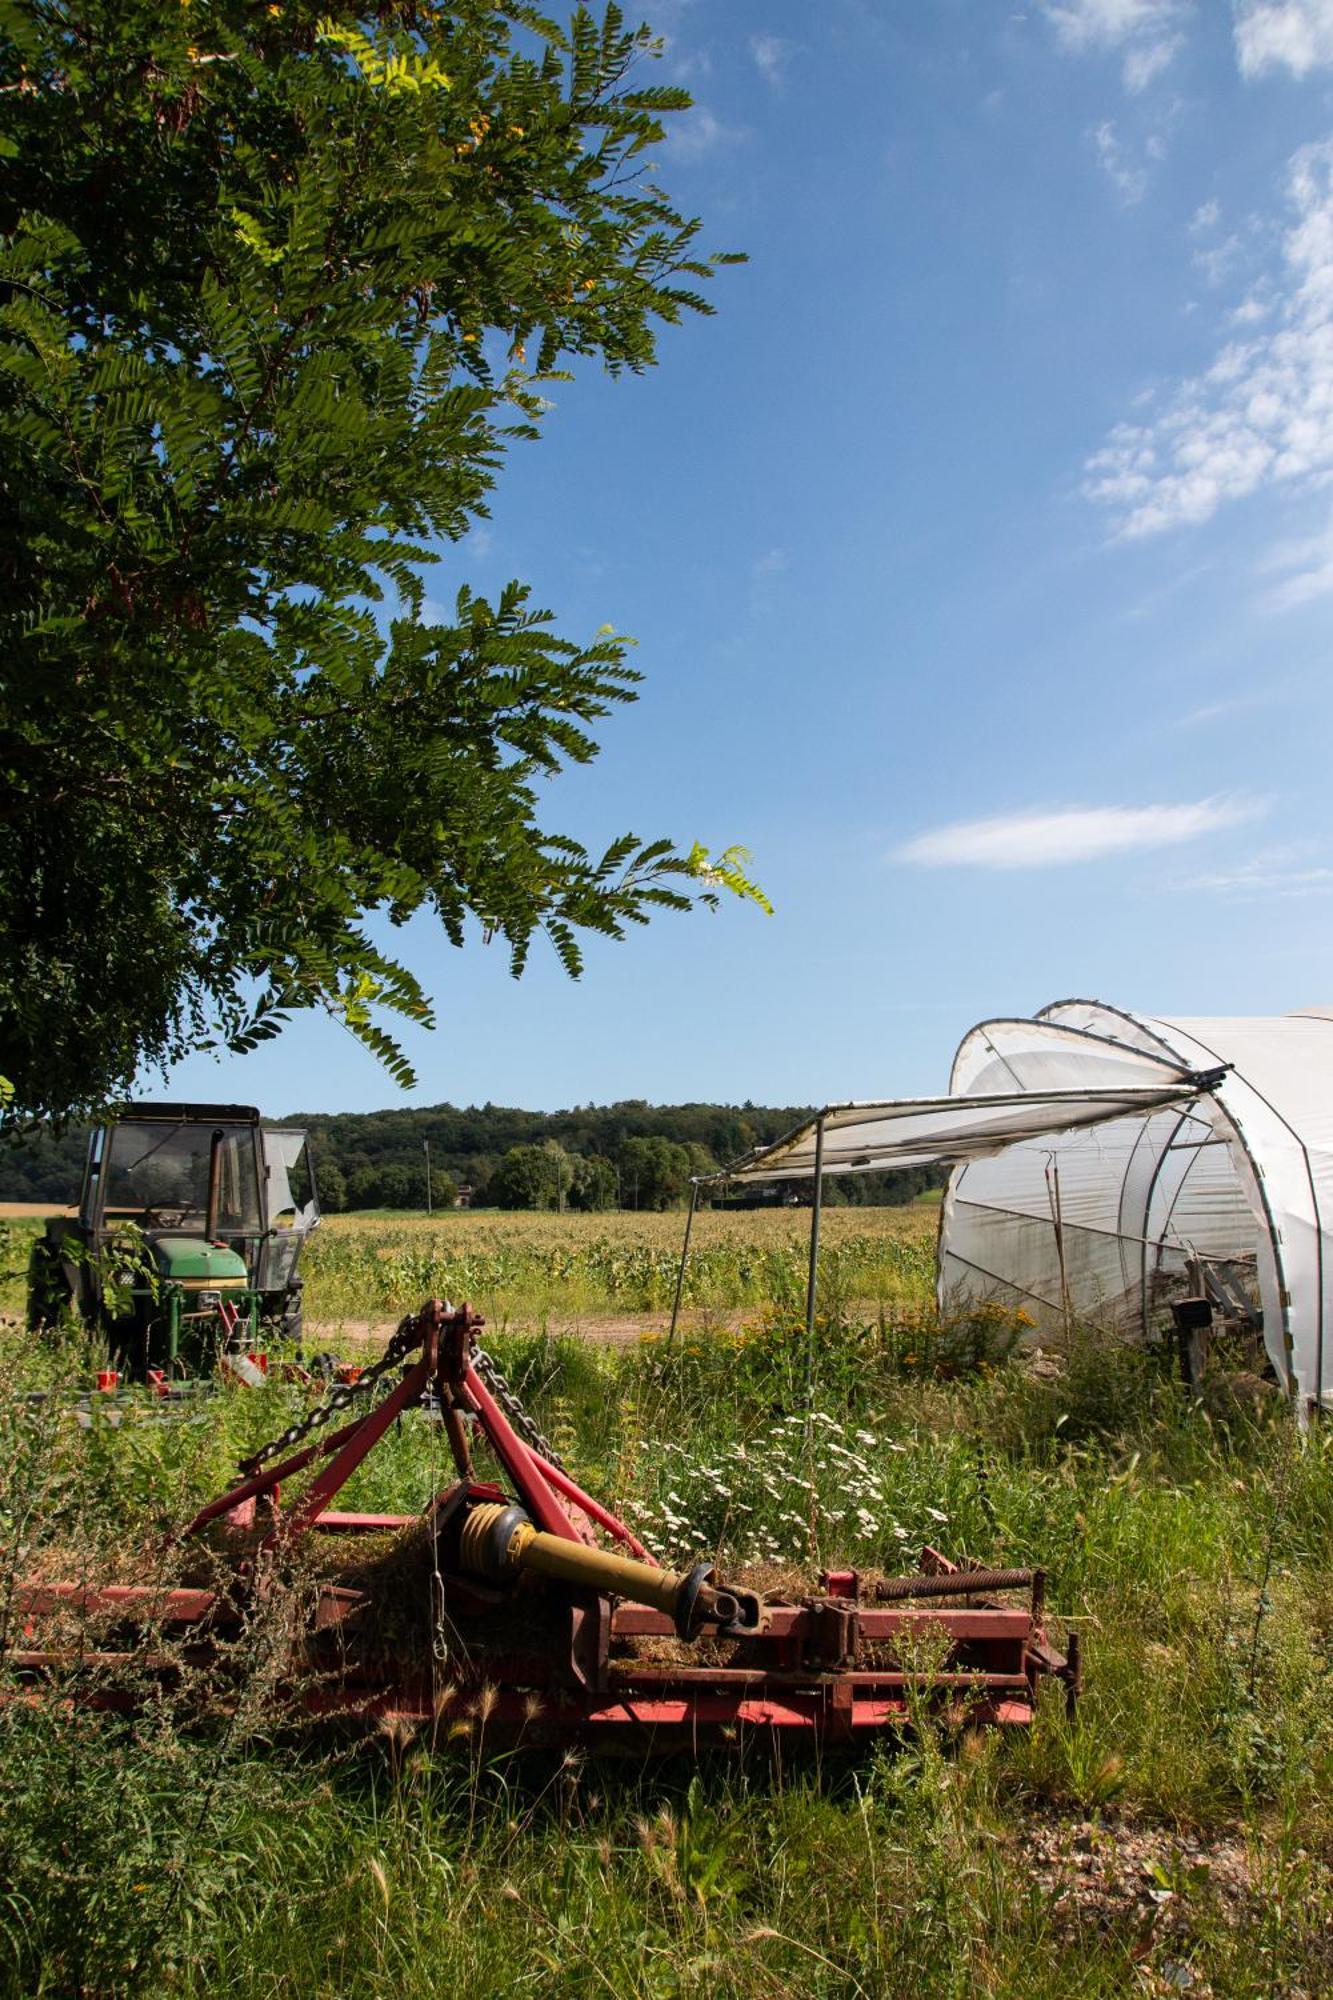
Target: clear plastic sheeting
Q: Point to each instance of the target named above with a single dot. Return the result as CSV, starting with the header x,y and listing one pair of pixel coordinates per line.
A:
x,y
1109,1223
912,1132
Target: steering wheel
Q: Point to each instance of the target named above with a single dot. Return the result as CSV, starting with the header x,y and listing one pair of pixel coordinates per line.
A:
x,y
167,1215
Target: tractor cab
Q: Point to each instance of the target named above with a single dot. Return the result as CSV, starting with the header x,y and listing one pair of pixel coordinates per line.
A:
x,y
187,1239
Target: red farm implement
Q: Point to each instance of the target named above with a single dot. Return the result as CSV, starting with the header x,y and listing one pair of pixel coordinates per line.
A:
x,y
546,1619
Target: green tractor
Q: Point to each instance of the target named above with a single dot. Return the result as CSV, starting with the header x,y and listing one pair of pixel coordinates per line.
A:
x,y
187,1238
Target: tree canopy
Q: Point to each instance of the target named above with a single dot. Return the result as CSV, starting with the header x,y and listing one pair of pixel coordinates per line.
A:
x,y
278,286
590,1156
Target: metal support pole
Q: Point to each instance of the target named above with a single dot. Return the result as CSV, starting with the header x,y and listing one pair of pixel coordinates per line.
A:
x,y
811,1282
684,1253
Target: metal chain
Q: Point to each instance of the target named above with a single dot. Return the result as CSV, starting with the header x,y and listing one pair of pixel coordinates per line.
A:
x,y
400,1346
486,1366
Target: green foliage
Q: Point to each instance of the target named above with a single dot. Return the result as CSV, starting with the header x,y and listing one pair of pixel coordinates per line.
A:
x,y
537,1177
46,1165
278,286
654,1173
348,1272
594,1186
1188,1805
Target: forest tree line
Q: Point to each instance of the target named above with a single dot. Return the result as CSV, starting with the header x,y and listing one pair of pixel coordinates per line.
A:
x,y
631,1155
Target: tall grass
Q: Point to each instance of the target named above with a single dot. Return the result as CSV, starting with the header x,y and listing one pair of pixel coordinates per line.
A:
x,y
1176,1837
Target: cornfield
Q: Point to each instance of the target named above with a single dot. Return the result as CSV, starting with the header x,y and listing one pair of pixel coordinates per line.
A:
x,y
569,1266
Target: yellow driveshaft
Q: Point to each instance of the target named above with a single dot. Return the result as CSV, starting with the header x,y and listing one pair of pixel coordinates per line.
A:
x,y
499,1540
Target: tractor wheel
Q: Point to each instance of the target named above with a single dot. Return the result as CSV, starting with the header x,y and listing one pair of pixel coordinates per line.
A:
x,y
49,1296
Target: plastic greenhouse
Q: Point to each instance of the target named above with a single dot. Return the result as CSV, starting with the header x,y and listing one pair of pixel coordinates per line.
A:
x,y
1107,1165
1229,1196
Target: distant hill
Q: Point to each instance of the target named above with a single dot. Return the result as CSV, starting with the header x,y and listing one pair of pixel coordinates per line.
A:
x,y
632,1154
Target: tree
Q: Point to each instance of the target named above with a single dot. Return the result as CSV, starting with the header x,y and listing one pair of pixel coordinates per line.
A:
x,y
363,1188
594,1183
330,1184
654,1173
532,1177
443,1189
277,287
399,1188
520,1179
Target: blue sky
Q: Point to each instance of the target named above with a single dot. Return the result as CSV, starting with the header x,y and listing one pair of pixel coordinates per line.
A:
x,y
979,551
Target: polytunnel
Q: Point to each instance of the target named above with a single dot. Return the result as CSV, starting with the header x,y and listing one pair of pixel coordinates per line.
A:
x,y
1106,1165
1228,1194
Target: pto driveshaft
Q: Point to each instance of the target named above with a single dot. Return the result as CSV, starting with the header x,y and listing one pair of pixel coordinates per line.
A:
x,y
499,1541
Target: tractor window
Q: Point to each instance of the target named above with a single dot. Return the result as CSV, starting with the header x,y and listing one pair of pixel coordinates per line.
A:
x,y
164,1170
291,1188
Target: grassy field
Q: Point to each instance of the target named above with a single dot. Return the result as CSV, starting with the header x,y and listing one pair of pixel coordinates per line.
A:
x,y
1177,1838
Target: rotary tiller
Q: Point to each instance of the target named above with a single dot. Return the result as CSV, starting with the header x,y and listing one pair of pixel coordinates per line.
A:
x,y
545,1618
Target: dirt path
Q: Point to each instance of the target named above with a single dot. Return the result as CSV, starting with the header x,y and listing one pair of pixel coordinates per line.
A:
x,y
608,1330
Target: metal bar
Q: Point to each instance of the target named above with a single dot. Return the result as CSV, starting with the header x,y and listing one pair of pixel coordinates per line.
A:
x,y
812,1275
214,1184
331,1522
1004,1625
724,1678
525,1468
271,1476
161,1606
684,1253
456,1432
364,1438
687,1710
1058,1225
955,1583
594,1509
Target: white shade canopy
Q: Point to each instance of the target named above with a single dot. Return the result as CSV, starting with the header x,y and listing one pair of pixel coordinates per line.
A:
x,y
925,1131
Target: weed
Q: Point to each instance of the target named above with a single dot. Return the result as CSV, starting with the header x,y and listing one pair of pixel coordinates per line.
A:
x,y
152,1854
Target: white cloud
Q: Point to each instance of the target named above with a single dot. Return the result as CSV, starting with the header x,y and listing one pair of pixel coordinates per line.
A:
x,y
770,54
1284,34
699,132
1149,59
1127,176
1205,217
1229,705
1145,29
772,563
1071,833
1219,259
1277,872
1105,24
1305,566
1262,414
